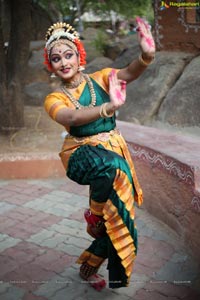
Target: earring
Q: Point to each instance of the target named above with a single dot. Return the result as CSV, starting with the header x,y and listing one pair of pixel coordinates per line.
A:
x,y
81,68
53,75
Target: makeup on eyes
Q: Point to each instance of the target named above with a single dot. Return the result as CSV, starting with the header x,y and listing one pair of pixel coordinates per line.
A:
x,y
55,57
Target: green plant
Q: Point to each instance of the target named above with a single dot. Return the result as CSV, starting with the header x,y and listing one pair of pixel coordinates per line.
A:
x,y
100,42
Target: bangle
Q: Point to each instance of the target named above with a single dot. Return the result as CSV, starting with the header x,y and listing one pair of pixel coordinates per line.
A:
x,y
143,62
103,113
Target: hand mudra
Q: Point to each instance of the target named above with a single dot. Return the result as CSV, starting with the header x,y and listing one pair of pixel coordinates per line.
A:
x,y
117,89
145,37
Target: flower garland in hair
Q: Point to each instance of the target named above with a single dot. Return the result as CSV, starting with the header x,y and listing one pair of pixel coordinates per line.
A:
x,y
81,52
46,60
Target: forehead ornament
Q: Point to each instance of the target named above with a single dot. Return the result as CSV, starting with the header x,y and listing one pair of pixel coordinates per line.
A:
x,y
63,33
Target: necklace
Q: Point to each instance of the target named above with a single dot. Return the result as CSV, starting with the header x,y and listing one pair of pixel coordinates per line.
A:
x,y
74,84
75,101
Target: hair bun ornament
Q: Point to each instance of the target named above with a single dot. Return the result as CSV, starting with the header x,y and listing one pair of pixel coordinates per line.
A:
x,y
60,28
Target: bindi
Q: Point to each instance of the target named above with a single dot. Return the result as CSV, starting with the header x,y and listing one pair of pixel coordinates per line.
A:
x,y
57,50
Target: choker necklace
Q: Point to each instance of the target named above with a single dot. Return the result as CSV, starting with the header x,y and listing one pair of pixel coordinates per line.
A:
x,y
74,84
73,99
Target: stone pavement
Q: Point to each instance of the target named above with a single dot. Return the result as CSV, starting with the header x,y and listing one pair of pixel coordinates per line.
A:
x,y
43,233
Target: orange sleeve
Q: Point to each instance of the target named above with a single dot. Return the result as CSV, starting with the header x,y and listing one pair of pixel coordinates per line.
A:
x,y
101,77
55,102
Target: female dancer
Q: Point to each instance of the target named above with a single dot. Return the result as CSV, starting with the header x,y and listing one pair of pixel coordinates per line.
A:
x,y
94,152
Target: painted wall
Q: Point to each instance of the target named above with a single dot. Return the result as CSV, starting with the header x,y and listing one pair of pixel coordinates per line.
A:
x,y
177,28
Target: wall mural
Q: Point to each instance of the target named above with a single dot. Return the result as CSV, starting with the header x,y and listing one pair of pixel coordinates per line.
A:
x,y
184,172
181,19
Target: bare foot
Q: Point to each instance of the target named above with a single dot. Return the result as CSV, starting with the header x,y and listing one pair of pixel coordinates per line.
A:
x,y
96,281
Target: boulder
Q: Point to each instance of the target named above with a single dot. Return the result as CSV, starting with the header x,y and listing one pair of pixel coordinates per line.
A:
x,y
37,58
114,50
181,107
37,45
130,51
89,37
36,70
145,95
98,64
36,92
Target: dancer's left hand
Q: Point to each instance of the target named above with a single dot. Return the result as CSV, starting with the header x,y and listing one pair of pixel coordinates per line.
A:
x,y
145,37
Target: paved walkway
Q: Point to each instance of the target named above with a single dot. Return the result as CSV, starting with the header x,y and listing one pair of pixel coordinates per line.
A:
x,y
43,233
